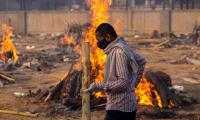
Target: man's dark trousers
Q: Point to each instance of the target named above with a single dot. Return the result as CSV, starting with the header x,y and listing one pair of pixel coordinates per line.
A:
x,y
118,115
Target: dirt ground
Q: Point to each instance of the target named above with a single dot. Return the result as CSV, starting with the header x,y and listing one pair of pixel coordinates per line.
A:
x,y
157,60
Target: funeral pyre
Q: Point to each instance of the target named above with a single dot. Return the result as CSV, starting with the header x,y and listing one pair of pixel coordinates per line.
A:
x,y
8,51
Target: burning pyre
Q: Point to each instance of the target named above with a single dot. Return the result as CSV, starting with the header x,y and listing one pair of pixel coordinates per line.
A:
x,y
147,91
8,50
99,12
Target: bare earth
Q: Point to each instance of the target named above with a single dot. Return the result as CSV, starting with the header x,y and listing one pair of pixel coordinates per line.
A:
x,y
157,60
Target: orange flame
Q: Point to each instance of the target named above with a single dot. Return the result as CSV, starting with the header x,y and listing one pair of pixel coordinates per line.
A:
x,y
143,92
7,45
99,12
67,41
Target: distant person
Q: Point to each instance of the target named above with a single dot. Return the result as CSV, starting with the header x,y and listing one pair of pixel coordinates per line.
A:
x,y
196,32
123,71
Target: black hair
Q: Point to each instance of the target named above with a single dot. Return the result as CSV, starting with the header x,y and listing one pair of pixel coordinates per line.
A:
x,y
106,28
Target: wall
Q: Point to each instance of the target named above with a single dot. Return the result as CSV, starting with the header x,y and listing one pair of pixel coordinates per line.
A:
x,y
126,22
146,21
54,21
16,19
183,21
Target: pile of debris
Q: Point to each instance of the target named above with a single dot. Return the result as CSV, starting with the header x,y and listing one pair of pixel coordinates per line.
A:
x,y
169,40
72,37
192,58
191,39
46,59
38,61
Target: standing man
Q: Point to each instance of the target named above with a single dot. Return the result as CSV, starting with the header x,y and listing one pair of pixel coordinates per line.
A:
x,y
123,71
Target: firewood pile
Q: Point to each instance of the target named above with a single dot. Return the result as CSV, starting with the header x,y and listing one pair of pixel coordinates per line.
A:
x,y
190,39
68,92
169,40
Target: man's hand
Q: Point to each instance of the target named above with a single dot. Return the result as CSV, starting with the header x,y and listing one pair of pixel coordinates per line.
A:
x,y
85,91
91,88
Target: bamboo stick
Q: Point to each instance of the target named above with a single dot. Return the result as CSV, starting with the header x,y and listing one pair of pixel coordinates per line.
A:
x,y
27,114
86,115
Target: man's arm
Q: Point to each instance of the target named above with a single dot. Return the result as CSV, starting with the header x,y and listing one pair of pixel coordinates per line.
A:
x,y
141,65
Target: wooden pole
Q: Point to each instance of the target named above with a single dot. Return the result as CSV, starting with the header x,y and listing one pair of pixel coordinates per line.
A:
x,y
86,81
27,114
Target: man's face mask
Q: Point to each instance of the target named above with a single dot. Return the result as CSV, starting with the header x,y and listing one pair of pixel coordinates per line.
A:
x,y
103,44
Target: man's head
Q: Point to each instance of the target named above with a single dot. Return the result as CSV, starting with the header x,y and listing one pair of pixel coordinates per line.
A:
x,y
105,34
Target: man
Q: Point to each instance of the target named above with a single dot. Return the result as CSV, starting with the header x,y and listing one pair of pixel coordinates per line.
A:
x,y
123,71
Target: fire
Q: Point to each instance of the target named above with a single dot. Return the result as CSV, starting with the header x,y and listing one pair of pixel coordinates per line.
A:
x,y
146,91
7,45
143,92
67,41
99,9
99,12
158,98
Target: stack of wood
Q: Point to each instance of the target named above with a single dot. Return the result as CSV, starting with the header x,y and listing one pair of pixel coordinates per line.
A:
x,y
68,91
